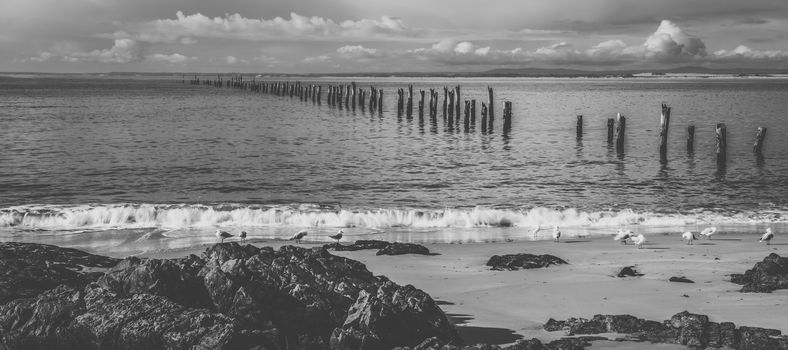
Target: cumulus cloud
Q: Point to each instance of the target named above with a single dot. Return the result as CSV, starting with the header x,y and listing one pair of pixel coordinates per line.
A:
x,y
357,51
316,59
745,53
173,58
123,51
670,42
187,27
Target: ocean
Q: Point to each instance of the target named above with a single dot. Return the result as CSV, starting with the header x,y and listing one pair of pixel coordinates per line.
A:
x,y
127,164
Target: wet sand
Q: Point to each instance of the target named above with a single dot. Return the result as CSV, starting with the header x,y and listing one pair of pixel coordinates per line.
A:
x,y
504,306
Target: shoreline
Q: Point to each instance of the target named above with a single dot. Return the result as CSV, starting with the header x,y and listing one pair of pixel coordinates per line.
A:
x,y
500,307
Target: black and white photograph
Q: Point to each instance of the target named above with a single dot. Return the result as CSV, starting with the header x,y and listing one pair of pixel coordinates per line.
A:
x,y
393,174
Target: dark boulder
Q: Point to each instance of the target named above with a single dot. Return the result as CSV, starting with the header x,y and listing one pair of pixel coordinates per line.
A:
x,y
27,269
523,261
681,279
403,248
766,276
629,271
358,245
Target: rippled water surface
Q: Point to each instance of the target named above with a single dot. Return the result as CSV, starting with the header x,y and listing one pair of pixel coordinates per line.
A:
x,y
73,144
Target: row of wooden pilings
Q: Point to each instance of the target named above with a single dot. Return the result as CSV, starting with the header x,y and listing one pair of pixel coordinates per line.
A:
x,y
616,128
350,96
451,109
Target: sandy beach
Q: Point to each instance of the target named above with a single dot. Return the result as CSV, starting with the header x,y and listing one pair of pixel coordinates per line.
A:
x,y
504,306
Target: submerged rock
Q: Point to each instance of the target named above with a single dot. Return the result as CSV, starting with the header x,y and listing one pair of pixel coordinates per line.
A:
x,y
766,276
27,269
403,248
523,261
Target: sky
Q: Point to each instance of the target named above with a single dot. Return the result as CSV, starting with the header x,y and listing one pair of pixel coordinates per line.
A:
x,y
320,36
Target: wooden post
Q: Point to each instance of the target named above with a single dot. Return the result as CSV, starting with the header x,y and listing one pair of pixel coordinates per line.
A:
x,y
451,106
490,115
410,101
473,114
490,103
620,128
353,96
445,101
507,117
721,148
690,138
457,101
484,118
664,123
379,103
611,125
432,100
467,117
421,105
758,146
579,126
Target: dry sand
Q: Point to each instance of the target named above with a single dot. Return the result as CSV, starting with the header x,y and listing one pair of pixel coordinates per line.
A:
x,y
503,306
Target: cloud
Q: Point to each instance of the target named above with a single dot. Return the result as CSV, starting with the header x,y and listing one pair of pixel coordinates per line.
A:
x,y
671,43
745,53
173,58
123,51
241,28
316,59
358,51
231,59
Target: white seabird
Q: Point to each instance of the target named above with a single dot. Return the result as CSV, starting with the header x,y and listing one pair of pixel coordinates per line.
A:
x,y
337,236
536,230
221,235
298,236
639,240
556,233
767,237
623,236
689,237
708,232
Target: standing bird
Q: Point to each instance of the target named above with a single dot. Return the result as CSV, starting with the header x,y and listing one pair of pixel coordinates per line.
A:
x,y
639,240
536,230
767,237
689,237
556,234
221,235
623,236
243,236
708,232
337,236
298,236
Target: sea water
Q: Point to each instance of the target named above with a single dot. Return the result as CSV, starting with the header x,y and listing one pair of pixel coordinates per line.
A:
x,y
127,164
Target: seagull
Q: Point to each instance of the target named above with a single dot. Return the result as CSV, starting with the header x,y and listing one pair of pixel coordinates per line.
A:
x,y
221,235
556,233
623,236
639,240
298,236
536,230
337,236
243,235
767,237
708,232
689,237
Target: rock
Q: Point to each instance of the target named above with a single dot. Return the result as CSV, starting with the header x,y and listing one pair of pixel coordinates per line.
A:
x,y
358,245
399,316
752,338
690,328
681,279
403,248
766,276
27,269
629,271
523,261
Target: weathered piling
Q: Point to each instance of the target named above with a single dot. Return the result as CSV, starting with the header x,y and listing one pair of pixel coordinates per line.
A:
x,y
451,107
690,138
507,117
432,101
466,120
362,95
721,145
490,118
445,101
491,105
759,137
353,96
379,103
473,114
457,101
484,118
579,127
372,99
410,101
421,105
620,128
347,96
664,123
400,101
611,126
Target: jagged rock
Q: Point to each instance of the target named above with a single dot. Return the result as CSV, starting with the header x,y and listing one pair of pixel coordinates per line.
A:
x,y
681,279
27,269
403,248
358,245
690,329
399,316
752,338
766,276
629,271
523,261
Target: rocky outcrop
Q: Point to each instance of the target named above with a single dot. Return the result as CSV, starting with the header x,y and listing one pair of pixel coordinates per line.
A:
x,y
384,248
28,269
523,261
680,279
693,330
766,276
233,297
629,271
